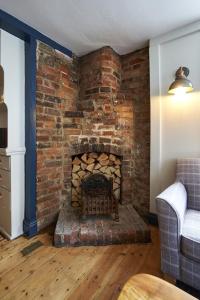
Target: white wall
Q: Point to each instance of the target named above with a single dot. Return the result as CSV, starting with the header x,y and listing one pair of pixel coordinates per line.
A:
x,y
175,120
12,59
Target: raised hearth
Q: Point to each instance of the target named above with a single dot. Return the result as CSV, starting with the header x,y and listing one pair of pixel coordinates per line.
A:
x,y
73,230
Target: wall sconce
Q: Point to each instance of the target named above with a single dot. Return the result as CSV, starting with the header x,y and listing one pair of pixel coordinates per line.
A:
x,y
181,84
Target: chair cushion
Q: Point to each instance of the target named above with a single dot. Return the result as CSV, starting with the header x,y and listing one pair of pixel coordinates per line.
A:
x,y
190,237
188,172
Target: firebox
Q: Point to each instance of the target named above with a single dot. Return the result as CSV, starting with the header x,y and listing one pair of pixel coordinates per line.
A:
x,y
98,197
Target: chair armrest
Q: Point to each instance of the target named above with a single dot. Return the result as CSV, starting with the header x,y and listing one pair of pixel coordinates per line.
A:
x,y
171,206
176,197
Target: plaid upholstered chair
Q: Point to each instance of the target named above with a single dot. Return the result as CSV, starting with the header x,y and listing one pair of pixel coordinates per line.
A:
x,y
178,210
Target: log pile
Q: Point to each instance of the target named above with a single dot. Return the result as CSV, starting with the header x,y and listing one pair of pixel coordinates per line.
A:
x,y
93,163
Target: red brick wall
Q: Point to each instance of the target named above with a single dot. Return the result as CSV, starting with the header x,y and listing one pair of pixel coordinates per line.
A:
x,y
135,80
105,78
109,111
57,91
100,104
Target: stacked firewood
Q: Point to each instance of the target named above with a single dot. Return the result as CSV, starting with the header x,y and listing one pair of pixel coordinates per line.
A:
x,y
93,163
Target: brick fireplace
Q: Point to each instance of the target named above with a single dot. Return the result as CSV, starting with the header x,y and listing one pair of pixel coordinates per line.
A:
x,y
94,105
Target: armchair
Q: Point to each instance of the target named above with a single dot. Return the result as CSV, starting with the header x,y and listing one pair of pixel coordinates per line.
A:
x,y
178,209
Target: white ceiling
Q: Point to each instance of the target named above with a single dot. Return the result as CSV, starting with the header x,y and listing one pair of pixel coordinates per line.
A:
x,y
85,25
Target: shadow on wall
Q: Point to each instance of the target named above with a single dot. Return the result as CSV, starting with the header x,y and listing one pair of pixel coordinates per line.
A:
x,y
3,113
3,125
175,127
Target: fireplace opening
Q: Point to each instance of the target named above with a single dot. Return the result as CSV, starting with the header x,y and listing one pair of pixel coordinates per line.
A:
x,y
98,197
107,165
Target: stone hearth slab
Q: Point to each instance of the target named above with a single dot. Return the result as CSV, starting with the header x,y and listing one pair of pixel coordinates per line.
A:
x,y
71,230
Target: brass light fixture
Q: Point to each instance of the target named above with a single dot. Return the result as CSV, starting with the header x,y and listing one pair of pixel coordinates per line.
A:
x,y
181,84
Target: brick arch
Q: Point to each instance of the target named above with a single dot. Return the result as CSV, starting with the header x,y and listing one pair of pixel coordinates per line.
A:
x,y
80,148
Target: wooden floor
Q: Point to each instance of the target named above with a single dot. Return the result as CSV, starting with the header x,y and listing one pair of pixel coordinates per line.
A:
x,y
72,273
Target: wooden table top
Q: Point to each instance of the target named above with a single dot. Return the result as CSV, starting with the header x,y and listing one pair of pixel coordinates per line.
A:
x,y
148,287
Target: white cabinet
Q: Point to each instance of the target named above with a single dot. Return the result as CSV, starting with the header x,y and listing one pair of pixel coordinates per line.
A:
x,y
5,200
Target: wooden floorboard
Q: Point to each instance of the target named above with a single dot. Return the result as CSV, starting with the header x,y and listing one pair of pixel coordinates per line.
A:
x,y
72,273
